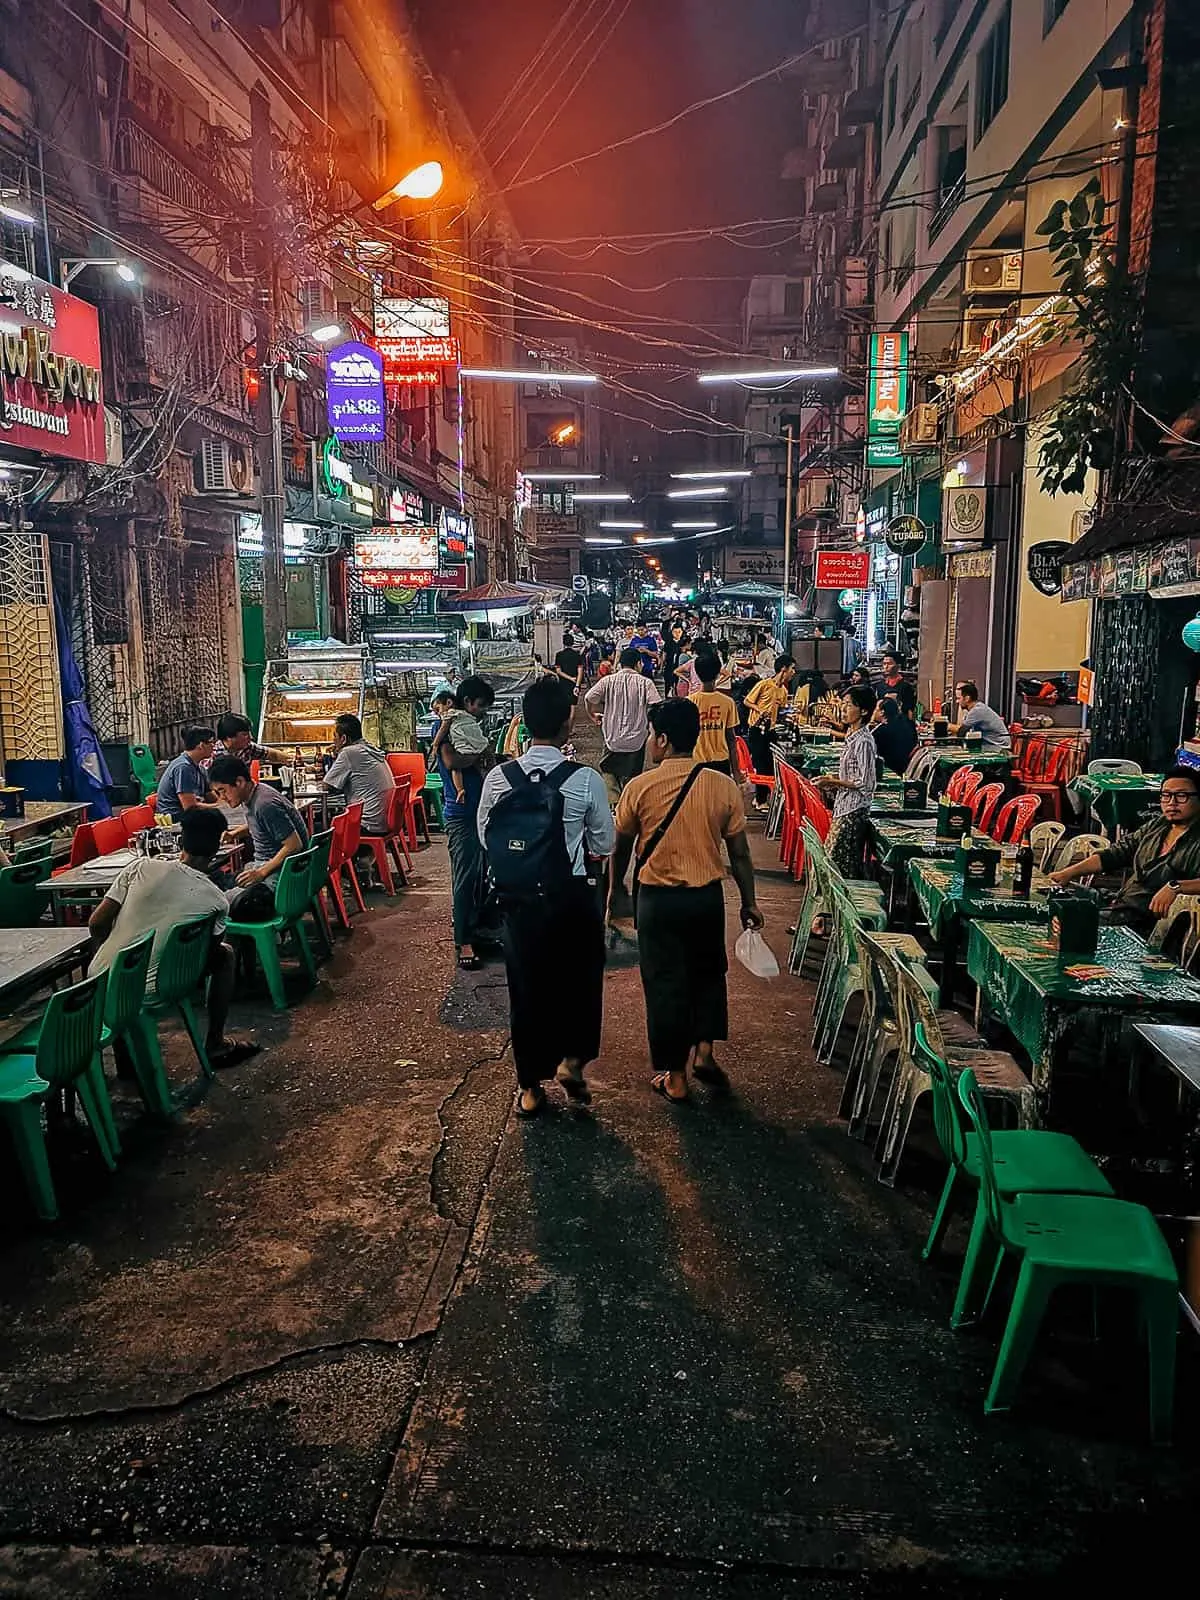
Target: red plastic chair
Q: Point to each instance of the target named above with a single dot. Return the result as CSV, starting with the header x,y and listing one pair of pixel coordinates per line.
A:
x,y
1015,817
1032,764
393,839
791,844
108,835
346,829
761,780
1061,766
983,806
83,848
255,769
135,818
410,764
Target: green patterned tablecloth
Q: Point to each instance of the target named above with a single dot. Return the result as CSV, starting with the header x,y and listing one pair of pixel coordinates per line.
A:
x,y
941,895
1027,983
899,839
994,764
1118,798
889,802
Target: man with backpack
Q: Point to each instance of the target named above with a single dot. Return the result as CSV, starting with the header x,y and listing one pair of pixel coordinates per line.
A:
x,y
540,817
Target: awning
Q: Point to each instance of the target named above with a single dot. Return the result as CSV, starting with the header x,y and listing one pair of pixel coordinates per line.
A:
x,y
1163,503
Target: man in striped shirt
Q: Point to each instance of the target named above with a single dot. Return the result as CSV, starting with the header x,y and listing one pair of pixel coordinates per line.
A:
x,y
619,704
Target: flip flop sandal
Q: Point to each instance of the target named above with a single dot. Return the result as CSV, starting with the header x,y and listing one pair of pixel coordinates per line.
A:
x,y
574,1088
659,1085
235,1056
470,963
535,1111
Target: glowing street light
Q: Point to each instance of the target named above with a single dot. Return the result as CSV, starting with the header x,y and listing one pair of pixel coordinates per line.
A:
x,y
711,493
70,268
770,375
715,477
422,183
567,475
694,525
325,332
604,496
625,527
529,375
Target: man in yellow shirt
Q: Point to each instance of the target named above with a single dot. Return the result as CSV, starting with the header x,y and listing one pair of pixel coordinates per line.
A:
x,y
717,745
763,705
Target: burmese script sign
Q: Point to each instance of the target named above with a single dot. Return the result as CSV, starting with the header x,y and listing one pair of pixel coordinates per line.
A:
x,y
51,391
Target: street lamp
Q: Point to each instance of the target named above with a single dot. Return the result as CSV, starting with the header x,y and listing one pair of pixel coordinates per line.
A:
x,y
71,266
422,183
533,375
11,207
770,375
325,332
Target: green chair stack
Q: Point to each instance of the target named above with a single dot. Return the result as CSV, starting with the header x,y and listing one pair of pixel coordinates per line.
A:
x,y
818,871
23,903
144,768
432,796
178,979
878,1034
840,974
321,849
1058,1239
293,893
64,1053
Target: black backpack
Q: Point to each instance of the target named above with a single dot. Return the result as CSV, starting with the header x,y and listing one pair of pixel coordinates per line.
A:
x,y
525,840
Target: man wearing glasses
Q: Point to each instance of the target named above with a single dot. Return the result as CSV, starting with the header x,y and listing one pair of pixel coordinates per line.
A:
x,y
1160,860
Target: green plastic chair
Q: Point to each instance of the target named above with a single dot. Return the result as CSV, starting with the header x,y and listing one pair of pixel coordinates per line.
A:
x,y
293,893
878,1033
841,976
818,870
144,768
123,1008
66,1056
22,903
1025,1161
178,977
1060,1239
32,850
432,796
321,849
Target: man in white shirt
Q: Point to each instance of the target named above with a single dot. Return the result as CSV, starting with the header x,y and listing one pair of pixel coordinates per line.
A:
x,y
554,944
619,703
154,895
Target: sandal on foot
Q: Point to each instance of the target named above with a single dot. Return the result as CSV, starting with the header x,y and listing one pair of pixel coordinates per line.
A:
x,y
539,1105
574,1087
659,1084
241,1050
469,963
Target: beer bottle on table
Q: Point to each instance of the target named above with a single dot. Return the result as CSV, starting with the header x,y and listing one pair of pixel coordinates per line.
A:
x,y
1023,877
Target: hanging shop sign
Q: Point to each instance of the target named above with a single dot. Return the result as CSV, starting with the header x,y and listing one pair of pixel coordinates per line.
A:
x,y
412,319
964,516
396,579
336,472
748,561
842,569
455,539
414,339
1044,564
1086,693
406,505
355,401
362,500
51,390
388,547
905,535
887,397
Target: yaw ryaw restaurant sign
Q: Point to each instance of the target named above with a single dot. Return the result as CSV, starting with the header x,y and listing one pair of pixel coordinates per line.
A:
x,y
51,392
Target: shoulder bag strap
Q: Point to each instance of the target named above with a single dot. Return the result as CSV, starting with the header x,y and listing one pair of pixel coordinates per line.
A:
x,y
656,838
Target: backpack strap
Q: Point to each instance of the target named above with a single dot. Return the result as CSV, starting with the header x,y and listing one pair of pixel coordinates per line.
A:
x,y
554,779
656,838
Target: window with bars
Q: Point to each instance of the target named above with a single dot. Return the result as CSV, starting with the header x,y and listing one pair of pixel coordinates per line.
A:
x,y
991,73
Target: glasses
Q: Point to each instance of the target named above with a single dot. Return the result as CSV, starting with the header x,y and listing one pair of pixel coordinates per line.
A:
x,y
1177,796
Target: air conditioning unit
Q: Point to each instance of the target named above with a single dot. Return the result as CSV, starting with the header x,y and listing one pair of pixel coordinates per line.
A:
x,y
919,429
316,301
226,468
993,272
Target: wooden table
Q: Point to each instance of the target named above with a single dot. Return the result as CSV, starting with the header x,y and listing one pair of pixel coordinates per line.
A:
x,y
43,816
31,957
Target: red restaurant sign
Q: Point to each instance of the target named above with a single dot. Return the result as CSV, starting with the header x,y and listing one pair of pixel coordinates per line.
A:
x,y
51,394
843,569
416,361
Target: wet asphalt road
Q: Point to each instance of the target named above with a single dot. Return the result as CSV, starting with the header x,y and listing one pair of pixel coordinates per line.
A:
x,y
348,1330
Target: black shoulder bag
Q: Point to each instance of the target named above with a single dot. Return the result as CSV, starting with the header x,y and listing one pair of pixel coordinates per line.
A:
x,y
656,838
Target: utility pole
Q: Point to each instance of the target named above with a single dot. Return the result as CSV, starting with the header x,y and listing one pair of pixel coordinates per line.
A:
x,y
267,426
787,525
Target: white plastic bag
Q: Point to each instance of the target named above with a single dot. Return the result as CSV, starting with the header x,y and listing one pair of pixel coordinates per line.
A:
x,y
753,951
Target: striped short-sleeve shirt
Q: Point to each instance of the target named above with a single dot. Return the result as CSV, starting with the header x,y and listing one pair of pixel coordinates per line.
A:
x,y
689,855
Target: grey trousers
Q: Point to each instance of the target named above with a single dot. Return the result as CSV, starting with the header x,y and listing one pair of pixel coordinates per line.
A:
x,y
466,877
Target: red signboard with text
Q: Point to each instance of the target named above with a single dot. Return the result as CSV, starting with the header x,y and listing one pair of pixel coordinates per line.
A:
x,y
843,569
411,578
51,393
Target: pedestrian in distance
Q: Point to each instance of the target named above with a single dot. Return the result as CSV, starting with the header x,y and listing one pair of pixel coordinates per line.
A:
x,y
545,825
467,750
678,816
717,744
619,704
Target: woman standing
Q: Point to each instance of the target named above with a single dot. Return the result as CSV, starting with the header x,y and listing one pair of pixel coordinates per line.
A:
x,y
854,785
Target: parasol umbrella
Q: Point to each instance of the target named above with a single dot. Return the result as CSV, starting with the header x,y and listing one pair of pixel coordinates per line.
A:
x,y
749,591
490,602
87,773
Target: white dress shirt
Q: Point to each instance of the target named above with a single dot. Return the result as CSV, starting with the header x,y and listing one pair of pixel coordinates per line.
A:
x,y
587,816
621,701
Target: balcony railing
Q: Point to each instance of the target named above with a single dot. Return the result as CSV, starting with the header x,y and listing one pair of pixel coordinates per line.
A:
x,y
948,205
140,155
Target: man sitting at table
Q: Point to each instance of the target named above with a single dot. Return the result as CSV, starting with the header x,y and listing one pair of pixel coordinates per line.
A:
x,y
978,718
186,783
1161,859
153,895
360,771
234,738
276,831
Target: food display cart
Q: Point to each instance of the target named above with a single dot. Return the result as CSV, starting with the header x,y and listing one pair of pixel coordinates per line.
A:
x,y
303,695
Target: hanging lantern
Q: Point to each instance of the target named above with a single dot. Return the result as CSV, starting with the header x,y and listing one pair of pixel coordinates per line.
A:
x,y
1191,633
